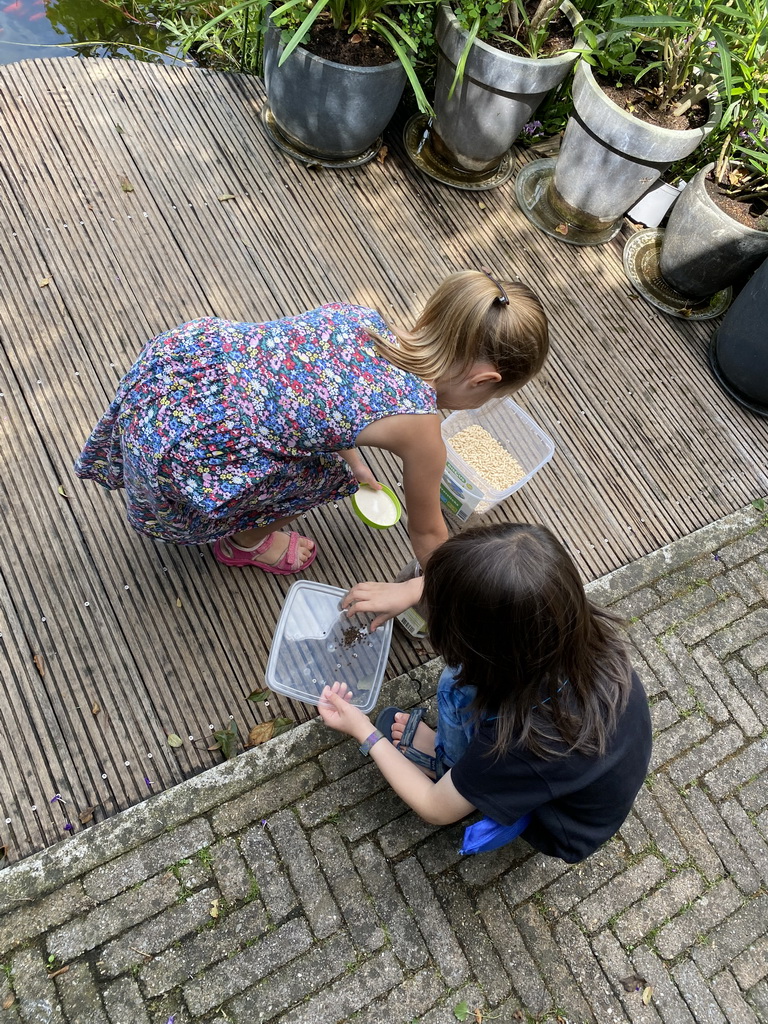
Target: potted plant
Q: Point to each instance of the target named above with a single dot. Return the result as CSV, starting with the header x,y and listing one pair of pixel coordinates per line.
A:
x,y
718,229
496,63
738,353
334,73
643,99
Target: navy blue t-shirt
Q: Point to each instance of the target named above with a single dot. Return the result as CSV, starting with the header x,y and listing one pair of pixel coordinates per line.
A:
x,y
577,802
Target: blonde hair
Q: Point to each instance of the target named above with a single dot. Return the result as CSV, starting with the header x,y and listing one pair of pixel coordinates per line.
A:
x,y
464,322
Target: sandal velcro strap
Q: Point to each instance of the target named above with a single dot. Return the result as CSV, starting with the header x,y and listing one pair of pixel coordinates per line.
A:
x,y
386,720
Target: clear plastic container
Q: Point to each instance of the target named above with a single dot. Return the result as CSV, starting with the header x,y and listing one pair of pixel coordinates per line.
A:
x,y
315,644
463,490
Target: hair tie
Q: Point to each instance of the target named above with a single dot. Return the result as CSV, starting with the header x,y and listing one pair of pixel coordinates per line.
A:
x,y
503,299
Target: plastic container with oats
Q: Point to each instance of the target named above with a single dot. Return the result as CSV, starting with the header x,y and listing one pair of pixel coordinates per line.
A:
x,y
492,451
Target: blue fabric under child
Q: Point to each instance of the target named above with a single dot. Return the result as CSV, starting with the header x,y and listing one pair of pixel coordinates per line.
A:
x,y
455,730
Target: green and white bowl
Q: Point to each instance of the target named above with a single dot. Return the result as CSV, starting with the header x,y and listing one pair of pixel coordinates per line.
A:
x,y
379,509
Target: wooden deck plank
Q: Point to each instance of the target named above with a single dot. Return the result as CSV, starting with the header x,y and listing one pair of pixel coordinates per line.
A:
x,y
647,447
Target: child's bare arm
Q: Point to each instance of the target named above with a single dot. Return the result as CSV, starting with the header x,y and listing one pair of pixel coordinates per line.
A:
x,y
357,464
439,803
417,441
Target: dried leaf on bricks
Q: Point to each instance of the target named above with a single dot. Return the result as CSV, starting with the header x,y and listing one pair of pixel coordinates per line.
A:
x,y
633,983
214,911
647,994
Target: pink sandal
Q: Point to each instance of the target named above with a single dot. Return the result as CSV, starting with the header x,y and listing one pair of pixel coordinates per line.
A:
x,y
228,554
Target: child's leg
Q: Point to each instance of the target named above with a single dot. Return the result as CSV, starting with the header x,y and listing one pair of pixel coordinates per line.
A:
x,y
455,727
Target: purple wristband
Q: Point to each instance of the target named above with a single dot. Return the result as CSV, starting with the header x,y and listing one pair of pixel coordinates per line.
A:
x,y
365,747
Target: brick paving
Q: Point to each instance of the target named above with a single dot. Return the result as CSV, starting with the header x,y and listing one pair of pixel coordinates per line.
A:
x,y
289,885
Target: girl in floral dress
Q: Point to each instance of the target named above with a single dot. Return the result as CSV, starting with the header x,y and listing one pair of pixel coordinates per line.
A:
x,y
224,432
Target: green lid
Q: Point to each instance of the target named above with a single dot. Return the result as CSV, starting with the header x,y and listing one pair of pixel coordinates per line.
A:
x,y
379,509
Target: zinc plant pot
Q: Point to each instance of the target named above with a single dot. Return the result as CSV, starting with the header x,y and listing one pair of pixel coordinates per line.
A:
x,y
608,158
704,250
738,354
333,112
498,94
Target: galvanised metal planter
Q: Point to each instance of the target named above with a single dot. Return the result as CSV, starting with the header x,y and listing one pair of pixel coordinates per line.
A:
x,y
705,250
738,354
326,112
498,94
608,159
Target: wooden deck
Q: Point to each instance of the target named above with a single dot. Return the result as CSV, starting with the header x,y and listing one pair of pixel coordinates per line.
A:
x,y
113,229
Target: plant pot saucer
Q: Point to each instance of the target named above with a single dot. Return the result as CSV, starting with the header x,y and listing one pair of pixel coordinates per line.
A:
x,y
421,153
532,191
745,401
313,159
641,265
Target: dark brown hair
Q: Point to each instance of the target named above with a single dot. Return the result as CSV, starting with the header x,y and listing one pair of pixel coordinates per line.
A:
x,y
505,604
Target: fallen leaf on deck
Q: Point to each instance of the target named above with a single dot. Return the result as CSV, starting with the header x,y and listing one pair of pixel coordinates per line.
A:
x,y
44,282
281,725
562,229
125,185
224,198
381,156
95,708
227,740
62,492
261,733
39,664
259,695
174,740
86,815
178,602
482,206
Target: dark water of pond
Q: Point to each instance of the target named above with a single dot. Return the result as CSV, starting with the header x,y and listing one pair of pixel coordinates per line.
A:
x,y
47,28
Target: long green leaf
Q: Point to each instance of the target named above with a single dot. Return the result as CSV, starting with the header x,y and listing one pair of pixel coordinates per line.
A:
x,y
301,31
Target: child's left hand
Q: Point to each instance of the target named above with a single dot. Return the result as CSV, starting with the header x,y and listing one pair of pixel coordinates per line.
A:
x,y
337,713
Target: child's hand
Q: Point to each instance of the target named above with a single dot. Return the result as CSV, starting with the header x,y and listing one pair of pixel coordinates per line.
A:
x,y
363,475
337,713
384,600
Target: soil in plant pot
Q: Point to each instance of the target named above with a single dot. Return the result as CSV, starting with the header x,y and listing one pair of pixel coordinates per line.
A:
x,y
360,49
560,35
751,214
639,103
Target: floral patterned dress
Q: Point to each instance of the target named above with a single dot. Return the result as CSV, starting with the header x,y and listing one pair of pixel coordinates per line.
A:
x,y
220,426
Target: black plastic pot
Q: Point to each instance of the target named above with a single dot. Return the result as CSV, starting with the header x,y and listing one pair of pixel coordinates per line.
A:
x,y
738,353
